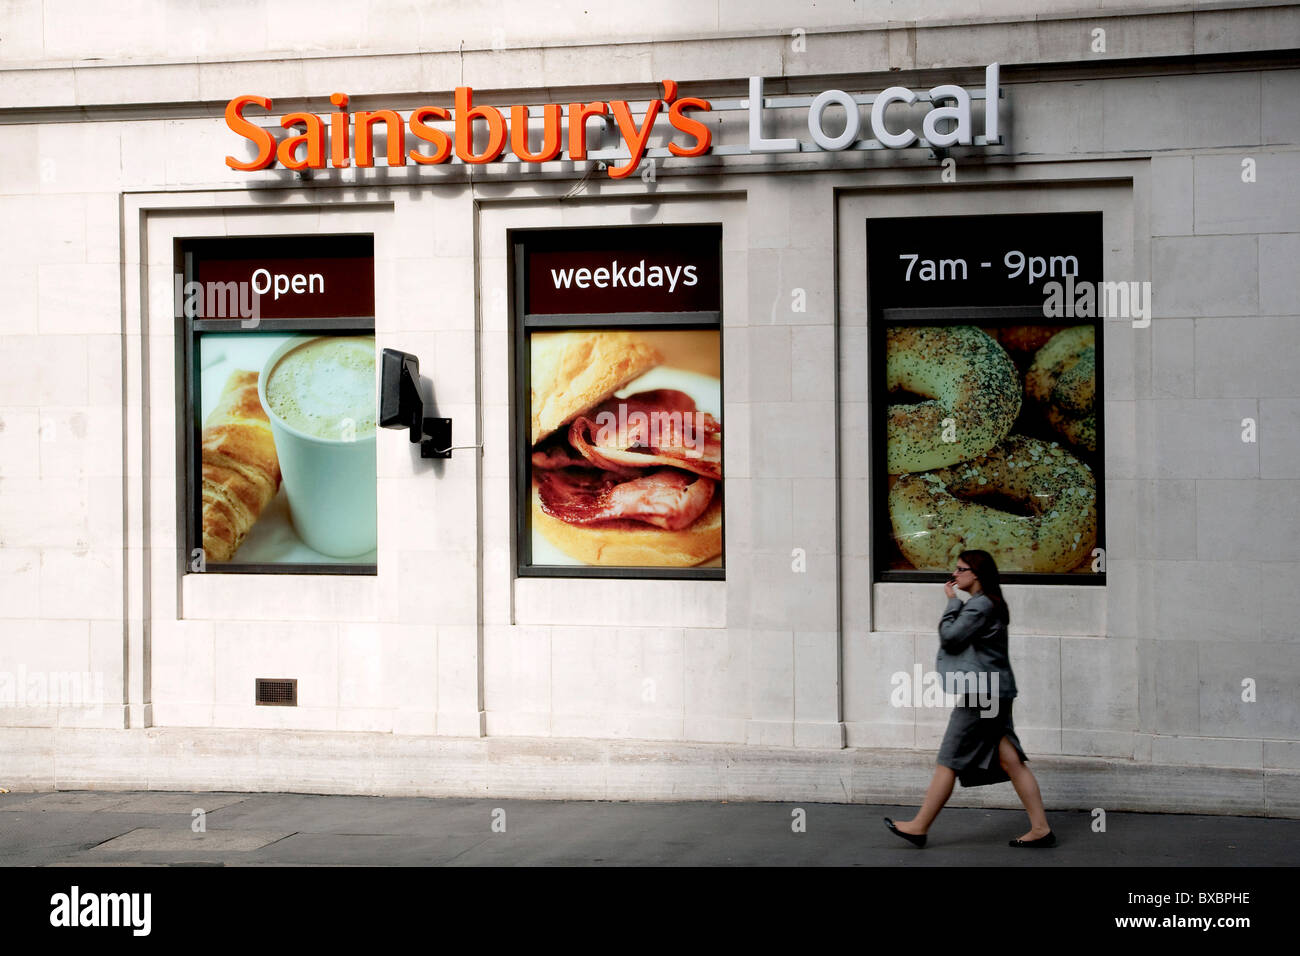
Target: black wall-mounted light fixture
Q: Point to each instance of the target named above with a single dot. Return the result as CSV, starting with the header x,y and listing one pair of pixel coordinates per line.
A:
x,y
400,405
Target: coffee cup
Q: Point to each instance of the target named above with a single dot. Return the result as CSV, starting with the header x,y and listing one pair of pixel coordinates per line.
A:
x,y
319,394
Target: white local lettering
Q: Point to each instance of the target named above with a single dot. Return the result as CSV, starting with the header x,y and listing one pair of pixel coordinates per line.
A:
x,y
956,114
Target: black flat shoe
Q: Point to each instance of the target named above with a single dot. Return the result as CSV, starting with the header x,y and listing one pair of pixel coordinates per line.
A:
x,y
916,839
1041,843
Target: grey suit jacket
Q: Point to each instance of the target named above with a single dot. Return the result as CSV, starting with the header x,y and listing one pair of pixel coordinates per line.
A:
x,y
973,641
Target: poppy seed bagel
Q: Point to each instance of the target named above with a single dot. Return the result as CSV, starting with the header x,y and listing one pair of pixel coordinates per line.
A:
x,y
936,515
965,376
1063,381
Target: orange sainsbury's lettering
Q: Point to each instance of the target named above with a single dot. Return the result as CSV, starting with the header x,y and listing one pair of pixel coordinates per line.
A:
x,y
365,130
314,137
703,135
578,114
351,135
430,134
466,113
550,133
339,132
635,138
262,139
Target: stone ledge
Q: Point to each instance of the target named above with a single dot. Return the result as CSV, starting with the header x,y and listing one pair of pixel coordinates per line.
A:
x,y
1178,30
585,769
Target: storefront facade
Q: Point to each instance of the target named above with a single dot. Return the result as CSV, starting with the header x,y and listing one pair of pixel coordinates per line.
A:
x,y
453,646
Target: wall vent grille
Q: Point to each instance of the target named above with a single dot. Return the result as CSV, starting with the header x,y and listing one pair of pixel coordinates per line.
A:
x,y
277,692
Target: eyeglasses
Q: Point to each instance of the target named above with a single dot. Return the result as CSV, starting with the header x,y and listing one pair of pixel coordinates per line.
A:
x,y
960,569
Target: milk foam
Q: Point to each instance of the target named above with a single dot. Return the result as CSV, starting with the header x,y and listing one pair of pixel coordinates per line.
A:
x,y
326,388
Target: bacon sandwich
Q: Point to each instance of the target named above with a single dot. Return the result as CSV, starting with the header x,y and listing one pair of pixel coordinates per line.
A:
x,y
633,481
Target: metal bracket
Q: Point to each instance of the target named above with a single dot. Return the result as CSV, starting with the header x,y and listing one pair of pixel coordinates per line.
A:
x,y
436,441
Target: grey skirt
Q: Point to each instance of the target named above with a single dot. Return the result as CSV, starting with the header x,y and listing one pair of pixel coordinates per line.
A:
x,y
970,745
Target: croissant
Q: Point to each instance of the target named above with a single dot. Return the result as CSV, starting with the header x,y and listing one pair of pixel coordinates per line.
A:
x,y
241,472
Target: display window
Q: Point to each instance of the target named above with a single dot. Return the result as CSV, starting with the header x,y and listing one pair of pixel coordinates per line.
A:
x,y
618,382
276,349
986,407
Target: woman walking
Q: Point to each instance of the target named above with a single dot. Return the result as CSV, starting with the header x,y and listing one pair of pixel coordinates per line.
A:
x,y
980,746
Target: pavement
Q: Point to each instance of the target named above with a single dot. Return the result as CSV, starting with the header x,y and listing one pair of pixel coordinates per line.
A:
x,y
94,828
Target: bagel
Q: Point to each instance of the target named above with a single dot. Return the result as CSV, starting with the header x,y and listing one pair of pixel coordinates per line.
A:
x,y
1024,340
965,376
936,515
1062,380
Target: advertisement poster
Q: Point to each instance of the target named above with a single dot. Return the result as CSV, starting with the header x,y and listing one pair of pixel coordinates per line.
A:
x,y
288,448
991,443
625,461
986,400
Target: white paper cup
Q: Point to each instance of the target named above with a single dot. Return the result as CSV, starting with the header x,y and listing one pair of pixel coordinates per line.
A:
x,y
330,483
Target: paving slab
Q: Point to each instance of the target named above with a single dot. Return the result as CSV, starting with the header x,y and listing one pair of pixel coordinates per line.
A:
x,y
82,864
37,839
181,803
86,801
320,813
178,840
99,802
12,800
325,849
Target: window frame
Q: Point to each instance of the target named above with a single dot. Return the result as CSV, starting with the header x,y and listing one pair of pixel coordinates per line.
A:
x,y
189,402
522,324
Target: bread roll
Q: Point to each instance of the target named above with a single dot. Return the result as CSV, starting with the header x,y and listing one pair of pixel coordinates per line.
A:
x,y
241,472
635,543
574,371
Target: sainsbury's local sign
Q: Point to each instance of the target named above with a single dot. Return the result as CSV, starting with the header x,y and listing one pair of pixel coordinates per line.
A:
x,y
481,133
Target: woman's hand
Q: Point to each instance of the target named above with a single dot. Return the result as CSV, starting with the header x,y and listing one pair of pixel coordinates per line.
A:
x,y
948,590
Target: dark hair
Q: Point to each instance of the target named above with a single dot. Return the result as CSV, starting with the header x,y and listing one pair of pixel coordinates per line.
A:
x,y
985,569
